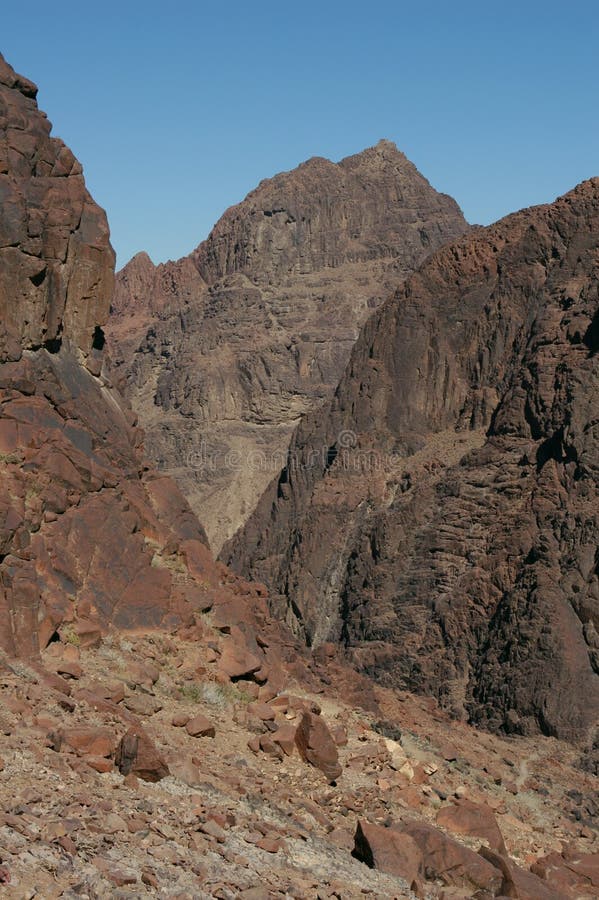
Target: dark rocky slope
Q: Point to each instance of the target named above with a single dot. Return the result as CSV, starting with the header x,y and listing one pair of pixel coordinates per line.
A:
x,y
440,517
221,352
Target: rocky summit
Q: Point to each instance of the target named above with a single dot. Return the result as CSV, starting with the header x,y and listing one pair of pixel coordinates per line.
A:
x,y
221,352
455,479
161,733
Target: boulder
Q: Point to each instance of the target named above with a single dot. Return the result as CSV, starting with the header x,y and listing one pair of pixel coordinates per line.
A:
x,y
200,726
316,745
474,820
387,850
137,754
451,862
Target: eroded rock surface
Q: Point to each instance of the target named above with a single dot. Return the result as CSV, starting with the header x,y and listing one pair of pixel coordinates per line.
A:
x,y
90,537
440,518
220,353
56,262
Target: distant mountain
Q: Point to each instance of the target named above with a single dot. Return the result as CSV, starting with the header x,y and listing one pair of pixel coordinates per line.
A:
x,y
440,517
223,351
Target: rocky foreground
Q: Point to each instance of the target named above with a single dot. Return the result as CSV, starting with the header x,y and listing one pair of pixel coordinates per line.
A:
x,y
135,765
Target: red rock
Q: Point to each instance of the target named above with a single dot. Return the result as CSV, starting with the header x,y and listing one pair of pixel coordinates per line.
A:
x,y
268,746
339,735
137,754
99,764
270,844
474,820
446,859
262,711
72,669
519,883
200,726
100,742
236,661
254,744
284,736
387,850
180,720
316,746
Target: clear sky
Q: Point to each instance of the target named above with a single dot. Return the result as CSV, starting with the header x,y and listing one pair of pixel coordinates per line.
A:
x,y
178,109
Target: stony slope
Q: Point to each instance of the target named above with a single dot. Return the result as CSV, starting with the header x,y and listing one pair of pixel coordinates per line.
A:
x,y
220,353
227,819
440,519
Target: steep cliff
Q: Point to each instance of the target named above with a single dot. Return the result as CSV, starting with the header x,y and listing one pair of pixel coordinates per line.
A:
x,y
221,352
90,537
440,517
56,262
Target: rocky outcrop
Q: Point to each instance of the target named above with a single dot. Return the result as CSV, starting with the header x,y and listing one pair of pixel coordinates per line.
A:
x,y
222,352
439,519
91,538
56,262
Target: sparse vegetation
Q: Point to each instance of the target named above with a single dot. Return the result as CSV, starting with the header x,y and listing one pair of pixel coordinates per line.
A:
x,y
213,694
70,636
10,459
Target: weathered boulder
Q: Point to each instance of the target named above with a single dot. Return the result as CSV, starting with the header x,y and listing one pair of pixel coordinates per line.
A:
x,y
474,820
316,745
451,862
137,755
387,850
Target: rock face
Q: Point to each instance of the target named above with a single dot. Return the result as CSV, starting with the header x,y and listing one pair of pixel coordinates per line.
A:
x,y
90,537
440,517
223,351
56,262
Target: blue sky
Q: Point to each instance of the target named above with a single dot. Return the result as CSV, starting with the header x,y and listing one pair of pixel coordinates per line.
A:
x,y
177,110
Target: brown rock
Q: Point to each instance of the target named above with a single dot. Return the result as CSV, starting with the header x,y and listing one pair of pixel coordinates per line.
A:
x,y
316,746
387,850
200,726
262,711
137,755
236,661
268,746
449,861
284,736
474,820
518,882
270,844
100,742
180,720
